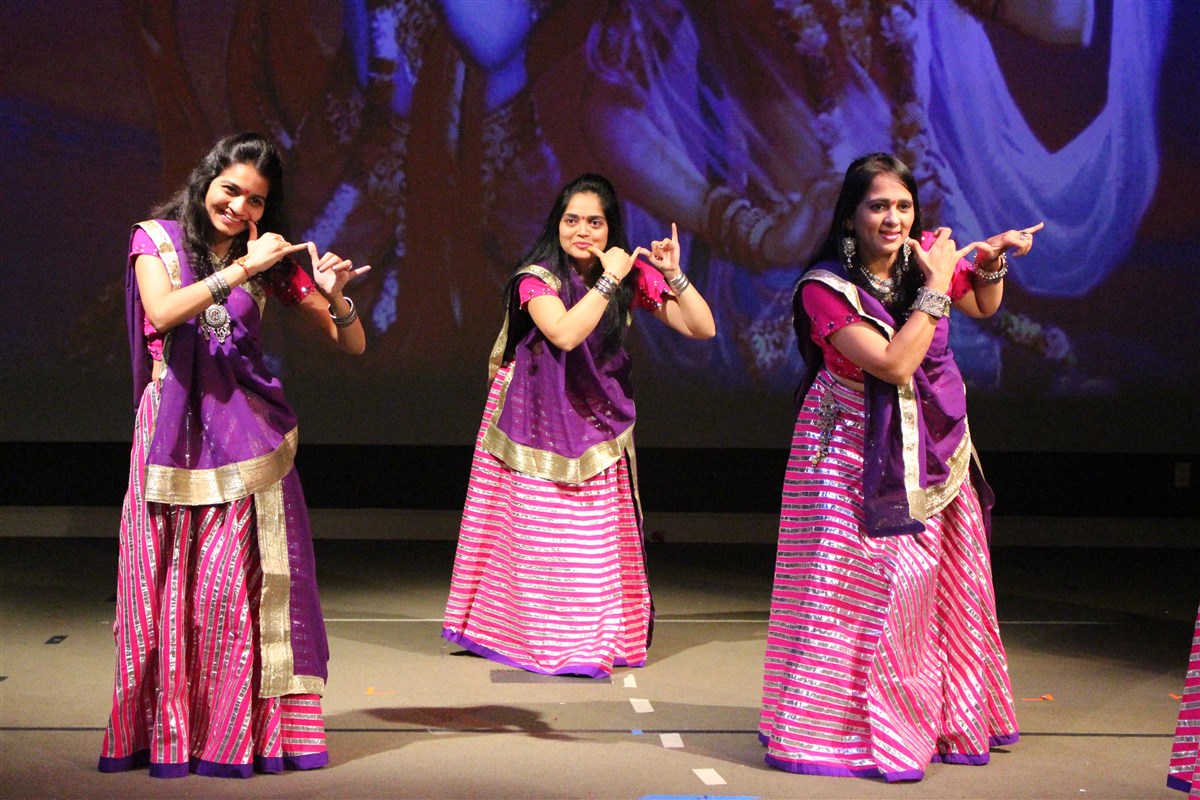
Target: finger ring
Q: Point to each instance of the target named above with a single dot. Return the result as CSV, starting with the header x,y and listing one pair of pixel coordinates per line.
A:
x,y
1024,234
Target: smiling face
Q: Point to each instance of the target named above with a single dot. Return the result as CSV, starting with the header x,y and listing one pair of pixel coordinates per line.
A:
x,y
582,224
237,195
882,220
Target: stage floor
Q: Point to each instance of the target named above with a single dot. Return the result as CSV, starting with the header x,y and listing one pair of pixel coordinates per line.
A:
x,y
1097,642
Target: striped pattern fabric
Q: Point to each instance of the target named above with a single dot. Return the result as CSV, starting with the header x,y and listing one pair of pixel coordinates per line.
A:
x,y
549,577
883,654
185,692
1184,771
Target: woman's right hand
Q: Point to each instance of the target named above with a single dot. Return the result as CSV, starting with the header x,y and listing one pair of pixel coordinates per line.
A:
x,y
264,253
937,262
615,261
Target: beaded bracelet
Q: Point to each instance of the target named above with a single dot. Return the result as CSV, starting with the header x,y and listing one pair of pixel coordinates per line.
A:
x,y
932,302
990,276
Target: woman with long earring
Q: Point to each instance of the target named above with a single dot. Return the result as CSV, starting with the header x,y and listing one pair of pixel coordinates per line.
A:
x,y
883,647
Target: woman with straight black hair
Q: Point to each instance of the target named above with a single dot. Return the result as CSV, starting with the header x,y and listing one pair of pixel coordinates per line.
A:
x,y
550,573
883,648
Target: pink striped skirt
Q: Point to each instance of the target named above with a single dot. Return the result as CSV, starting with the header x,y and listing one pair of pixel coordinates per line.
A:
x,y
1184,771
883,654
549,577
185,696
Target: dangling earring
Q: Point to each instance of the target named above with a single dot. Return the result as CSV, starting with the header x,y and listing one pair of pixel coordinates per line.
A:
x,y
905,251
848,248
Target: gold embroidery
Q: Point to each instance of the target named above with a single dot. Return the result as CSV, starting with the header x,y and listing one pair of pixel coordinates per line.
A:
x,y
496,359
274,615
170,258
206,487
545,464
922,503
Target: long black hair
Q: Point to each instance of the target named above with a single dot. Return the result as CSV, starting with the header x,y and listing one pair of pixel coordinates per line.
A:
x,y
859,175
187,205
548,252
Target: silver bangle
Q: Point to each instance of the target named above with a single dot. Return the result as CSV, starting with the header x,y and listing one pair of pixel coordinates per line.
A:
x,y
932,302
347,320
990,276
224,284
606,285
679,283
213,284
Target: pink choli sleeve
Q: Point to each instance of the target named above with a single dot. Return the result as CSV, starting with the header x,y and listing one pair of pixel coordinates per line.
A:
x,y
143,245
828,312
532,286
288,281
649,287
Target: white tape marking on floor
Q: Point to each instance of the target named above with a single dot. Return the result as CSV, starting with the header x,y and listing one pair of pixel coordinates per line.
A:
x,y
671,739
630,682
710,777
641,706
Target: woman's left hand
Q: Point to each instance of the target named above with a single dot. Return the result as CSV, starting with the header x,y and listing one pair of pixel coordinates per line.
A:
x,y
664,254
331,272
1020,241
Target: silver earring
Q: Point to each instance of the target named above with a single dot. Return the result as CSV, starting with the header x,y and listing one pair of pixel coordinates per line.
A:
x,y
906,251
848,247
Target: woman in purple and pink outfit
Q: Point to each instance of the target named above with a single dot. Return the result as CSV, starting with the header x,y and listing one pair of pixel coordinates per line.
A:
x,y
221,648
1184,771
550,574
883,647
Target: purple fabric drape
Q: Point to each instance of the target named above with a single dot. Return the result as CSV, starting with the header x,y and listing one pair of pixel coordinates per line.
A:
x,y
565,402
941,418
220,405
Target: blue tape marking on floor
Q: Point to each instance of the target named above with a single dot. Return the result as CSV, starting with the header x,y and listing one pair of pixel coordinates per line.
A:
x,y
636,732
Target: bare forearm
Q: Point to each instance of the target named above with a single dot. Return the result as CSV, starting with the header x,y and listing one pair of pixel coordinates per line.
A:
x,y
568,328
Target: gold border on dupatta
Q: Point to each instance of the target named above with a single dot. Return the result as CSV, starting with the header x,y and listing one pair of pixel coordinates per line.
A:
x,y
278,676
496,359
531,460
545,464
208,487
170,258
922,503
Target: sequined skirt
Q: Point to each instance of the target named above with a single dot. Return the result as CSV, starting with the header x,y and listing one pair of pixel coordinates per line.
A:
x,y
1184,771
185,694
883,654
549,577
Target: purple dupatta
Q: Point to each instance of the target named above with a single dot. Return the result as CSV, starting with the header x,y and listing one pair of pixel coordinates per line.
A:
x,y
918,445
564,416
224,431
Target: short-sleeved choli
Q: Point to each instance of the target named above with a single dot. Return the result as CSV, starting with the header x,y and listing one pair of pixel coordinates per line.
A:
x,y
828,312
649,288
285,281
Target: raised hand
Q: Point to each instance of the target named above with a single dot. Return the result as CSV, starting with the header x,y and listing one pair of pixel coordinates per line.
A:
x,y
331,272
264,253
664,254
615,261
938,262
1019,241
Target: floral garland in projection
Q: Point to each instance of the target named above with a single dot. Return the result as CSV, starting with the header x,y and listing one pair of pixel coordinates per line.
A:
x,y
878,36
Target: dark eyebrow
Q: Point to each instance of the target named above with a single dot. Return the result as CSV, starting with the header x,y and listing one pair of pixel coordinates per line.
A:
x,y
238,188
